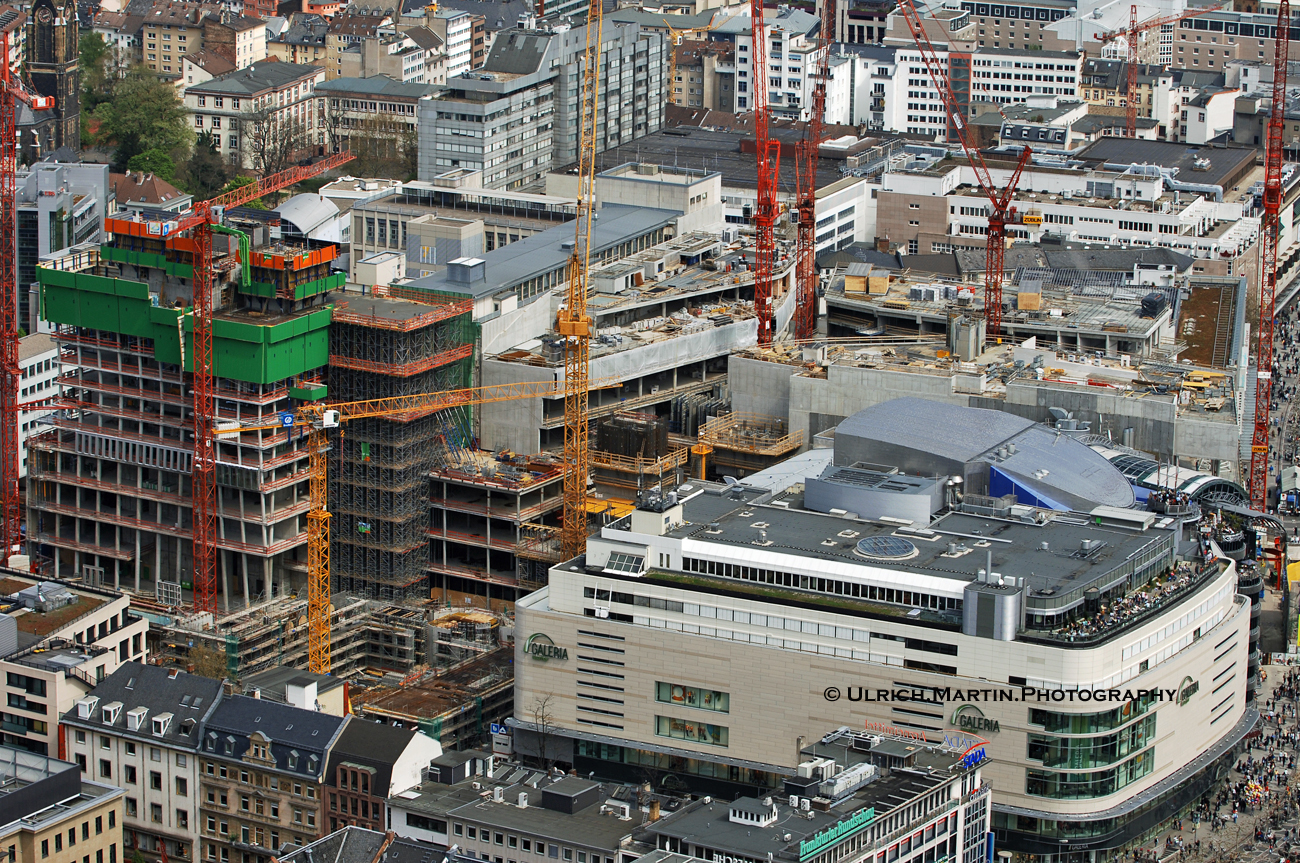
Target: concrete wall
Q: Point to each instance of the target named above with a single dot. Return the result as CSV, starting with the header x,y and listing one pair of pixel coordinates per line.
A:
x,y
514,424
698,198
815,404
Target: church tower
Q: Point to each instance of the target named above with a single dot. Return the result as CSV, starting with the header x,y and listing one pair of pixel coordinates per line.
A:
x,y
52,65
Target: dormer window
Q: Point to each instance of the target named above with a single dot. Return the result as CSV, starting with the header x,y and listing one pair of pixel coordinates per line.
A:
x,y
135,718
293,759
187,727
161,723
312,760
212,741
86,707
230,745
111,712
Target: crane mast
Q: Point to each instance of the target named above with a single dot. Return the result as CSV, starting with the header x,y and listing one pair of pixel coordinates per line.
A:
x,y
1131,37
1001,213
1269,229
806,151
573,323
769,164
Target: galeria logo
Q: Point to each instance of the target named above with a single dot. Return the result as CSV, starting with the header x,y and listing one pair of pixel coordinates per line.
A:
x,y
540,646
968,717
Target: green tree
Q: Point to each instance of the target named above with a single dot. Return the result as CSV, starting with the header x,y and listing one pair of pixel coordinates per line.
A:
x,y
153,162
240,182
207,662
144,114
92,61
205,174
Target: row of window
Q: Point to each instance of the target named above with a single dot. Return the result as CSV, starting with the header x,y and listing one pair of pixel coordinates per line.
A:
x,y
892,596
85,836
521,843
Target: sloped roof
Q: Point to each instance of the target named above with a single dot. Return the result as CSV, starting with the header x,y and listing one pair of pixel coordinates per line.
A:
x,y
139,187
353,844
371,744
159,690
295,734
211,62
258,78
376,85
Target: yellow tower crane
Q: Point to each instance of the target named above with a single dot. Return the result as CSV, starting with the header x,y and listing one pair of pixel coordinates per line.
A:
x,y
573,324
318,419
678,39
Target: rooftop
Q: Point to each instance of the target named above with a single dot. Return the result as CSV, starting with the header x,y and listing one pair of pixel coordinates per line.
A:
x,y
183,700
376,85
353,844
258,78
1225,163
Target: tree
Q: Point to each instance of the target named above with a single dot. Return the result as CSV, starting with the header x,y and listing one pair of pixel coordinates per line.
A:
x,y
207,662
205,174
544,726
240,182
274,143
144,114
153,162
92,60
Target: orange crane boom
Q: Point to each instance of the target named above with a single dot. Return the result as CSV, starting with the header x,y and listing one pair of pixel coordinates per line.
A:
x,y
12,90
1001,213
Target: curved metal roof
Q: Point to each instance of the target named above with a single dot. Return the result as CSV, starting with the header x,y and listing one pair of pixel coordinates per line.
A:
x,y
1053,465
307,212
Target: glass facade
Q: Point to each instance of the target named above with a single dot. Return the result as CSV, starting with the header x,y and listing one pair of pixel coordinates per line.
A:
x,y
691,696
1073,786
1100,750
1089,723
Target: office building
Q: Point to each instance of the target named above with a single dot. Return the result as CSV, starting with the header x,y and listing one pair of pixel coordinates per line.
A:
x,y
47,805
518,116
38,357
858,574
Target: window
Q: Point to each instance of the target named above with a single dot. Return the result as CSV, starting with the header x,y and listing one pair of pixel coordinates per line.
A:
x,y
81,736
621,562
691,696
104,743
155,812
688,729
128,773
105,768
182,787
129,808
155,780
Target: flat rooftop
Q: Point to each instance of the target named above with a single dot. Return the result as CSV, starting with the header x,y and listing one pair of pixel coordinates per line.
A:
x,y
716,519
1226,164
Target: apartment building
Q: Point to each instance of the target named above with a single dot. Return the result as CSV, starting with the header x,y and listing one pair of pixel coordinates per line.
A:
x,y
139,729
46,804
61,640
38,357
705,76
169,32
262,770
266,92
1104,83
519,116
411,56
201,66
241,39
121,32
302,41
370,763
457,31
348,29
793,54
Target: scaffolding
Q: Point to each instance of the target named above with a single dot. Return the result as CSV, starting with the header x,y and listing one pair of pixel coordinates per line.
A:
x,y
378,488
748,442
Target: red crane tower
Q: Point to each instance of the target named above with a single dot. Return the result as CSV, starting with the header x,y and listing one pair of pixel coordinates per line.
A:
x,y
1001,213
769,164
11,91
1131,37
1268,242
805,171
200,220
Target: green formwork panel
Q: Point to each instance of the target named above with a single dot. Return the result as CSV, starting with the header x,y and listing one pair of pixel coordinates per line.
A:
x,y
240,351
259,289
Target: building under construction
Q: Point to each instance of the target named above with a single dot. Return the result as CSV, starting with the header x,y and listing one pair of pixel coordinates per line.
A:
x,y
382,347
737,444
483,508
108,491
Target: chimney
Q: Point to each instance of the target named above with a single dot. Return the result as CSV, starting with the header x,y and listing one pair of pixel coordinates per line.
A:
x,y
654,810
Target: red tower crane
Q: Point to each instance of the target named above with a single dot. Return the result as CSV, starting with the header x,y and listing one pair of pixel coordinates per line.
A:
x,y
806,151
769,164
1001,213
1268,242
1131,37
12,90
200,220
